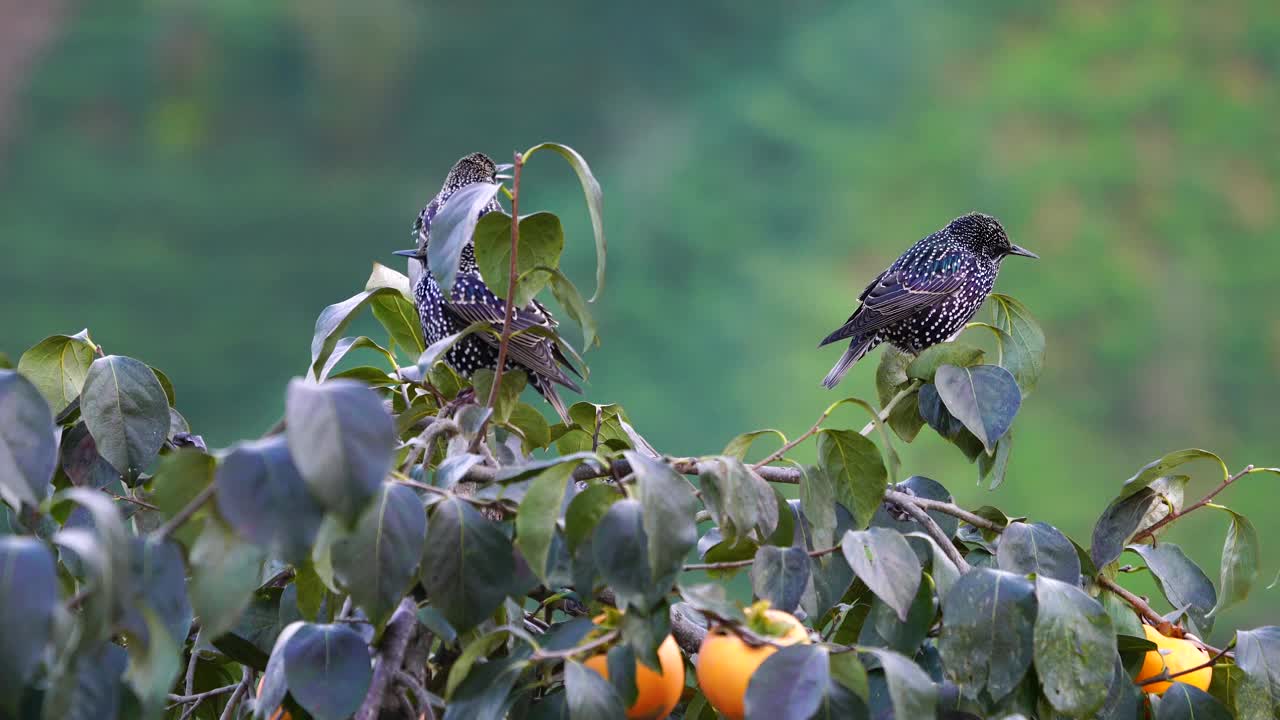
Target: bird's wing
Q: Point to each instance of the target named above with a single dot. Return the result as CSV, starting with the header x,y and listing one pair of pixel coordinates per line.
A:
x,y
899,293
473,302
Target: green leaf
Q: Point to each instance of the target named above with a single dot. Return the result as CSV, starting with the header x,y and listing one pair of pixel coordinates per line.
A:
x,y
911,691
28,443
857,472
1024,355
180,476
883,560
159,581
378,561
891,378
531,425
620,549
818,503
513,383
985,398
345,346
935,413
882,628
1075,647
485,692
94,690
669,510
383,276
1258,655
167,385
155,665
108,551
1181,581
926,364
57,366
1038,549
327,670
28,595
541,242
1118,524
127,412
225,572
341,439
264,498
1184,702
539,511
274,685
996,466
1155,469
468,564
621,665
1239,570
333,322
845,668
585,511
589,695
739,446
780,575
595,202
741,503
566,293
399,317
453,227
789,684
987,632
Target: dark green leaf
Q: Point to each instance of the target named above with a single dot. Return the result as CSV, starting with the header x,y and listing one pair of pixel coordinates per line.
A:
x,y
28,594
1075,647
1148,473
541,242
95,693
926,364
590,696
1183,583
883,629
1239,561
107,551
857,472
341,438
935,413
127,412
264,498
996,466
846,669
668,519
1023,353
1184,702
620,549
539,511
79,458
57,366
532,426
595,201
779,575
891,378
621,664
789,684
988,625
740,502
225,572
378,561
486,693
883,560
327,670
274,685
155,665
585,511
1258,655
911,692
28,445
1118,524
513,383
985,398
818,503
1038,548
1124,699
159,578
468,564
566,293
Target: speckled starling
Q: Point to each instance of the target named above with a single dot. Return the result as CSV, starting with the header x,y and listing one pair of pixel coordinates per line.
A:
x,y
927,295
472,301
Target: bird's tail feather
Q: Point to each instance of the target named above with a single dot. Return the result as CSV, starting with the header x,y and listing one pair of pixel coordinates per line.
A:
x,y
857,350
547,390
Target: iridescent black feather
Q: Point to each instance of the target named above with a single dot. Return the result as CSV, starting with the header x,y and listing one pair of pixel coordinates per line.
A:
x,y
926,296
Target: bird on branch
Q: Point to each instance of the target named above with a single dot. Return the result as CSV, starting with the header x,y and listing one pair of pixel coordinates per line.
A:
x,y
929,293
472,301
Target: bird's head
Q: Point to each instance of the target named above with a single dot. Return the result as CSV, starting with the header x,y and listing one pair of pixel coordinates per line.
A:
x,y
985,236
474,168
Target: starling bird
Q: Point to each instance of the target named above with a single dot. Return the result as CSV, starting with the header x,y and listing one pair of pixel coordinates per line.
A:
x,y
927,295
472,301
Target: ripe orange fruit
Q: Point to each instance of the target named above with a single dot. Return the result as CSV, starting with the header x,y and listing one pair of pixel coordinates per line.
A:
x,y
657,692
1177,655
280,713
726,662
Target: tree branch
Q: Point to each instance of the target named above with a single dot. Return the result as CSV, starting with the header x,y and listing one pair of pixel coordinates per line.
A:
x,y
230,710
730,564
1167,519
939,537
390,656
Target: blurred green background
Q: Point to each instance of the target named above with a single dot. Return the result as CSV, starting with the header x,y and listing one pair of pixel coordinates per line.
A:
x,y
195,181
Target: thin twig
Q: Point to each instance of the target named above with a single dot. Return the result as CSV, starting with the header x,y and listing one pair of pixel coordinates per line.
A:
x,y
183,515
229,711
512,274
190,680
911,387
1149,532
390,656
940,537
730,564
1143,608
605,639
900,498
134,500
1166,675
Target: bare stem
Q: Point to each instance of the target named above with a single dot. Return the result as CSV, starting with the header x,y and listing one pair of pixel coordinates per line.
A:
x,y
730,564
185,513
900,498
948,548
817,425
601,641
179,699
230,710
1172,516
